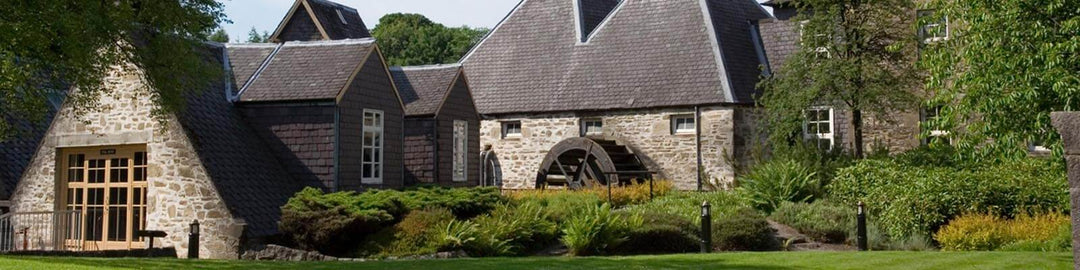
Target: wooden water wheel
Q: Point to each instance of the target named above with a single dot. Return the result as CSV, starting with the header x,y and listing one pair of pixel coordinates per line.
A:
x,y
585,162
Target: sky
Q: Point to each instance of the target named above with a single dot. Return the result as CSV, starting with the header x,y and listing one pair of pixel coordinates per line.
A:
x,y
265,15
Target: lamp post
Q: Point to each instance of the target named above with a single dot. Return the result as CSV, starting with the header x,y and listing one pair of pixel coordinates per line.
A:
x,y
193,241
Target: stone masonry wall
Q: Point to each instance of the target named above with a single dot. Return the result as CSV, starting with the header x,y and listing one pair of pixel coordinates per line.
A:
x,y
646,132
179,189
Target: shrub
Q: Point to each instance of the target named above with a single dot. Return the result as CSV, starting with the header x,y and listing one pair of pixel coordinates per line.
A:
x,y
597,230
746,230
331,223
661,233
414,235
990,232
620,195
687,204
819,220
559,204
916,200
524,227
778,181
465,203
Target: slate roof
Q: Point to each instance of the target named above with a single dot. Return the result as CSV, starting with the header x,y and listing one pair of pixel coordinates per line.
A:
x,y
781,37
16,153
423,88
247,177
326,13
650,53
245,60
301,70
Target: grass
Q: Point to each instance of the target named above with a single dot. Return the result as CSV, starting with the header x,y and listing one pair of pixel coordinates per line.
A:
x,y
764,260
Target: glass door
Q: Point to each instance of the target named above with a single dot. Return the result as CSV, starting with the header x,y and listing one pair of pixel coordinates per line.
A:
x,y
108,186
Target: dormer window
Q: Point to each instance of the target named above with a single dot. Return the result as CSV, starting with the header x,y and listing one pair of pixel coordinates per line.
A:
x,y
340,16
592,14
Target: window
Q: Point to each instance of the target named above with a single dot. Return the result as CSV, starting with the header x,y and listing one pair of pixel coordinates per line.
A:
x,y
592,126
372,165
682,124
107,187
461,150
932,28
511,129
931,119
342,17
818,128
818,39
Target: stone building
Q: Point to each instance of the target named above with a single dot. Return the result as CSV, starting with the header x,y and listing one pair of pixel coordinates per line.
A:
x,y
319,109
441,126
573,90
901,131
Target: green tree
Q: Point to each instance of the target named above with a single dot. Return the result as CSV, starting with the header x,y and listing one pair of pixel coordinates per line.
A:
x,y
51,46
255,37
220,36
855,55
412,39
1004,67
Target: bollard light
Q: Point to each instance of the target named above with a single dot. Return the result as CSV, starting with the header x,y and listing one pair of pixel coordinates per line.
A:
x,y
860,230
706,228
193,241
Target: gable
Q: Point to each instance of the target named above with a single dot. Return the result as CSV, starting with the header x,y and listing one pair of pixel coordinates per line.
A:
x,y
423,88
652,53
311,20
299,27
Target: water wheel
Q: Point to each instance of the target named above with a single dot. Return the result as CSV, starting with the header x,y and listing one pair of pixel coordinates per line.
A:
x,y
586,162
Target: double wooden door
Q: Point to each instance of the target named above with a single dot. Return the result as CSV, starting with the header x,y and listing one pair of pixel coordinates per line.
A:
x,y
107,185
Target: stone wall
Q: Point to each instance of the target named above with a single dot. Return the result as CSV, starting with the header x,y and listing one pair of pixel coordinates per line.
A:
x,y
646,132
179,190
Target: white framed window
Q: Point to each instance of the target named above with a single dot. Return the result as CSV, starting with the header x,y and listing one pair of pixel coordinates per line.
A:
x,y
511,129
342,17
592,126
683,124
821,51
931,117
818,127
932,28
461,150
372,163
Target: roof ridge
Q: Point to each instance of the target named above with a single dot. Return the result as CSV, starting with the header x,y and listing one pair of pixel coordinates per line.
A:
x,y
335,4
367,40
250,45
427,67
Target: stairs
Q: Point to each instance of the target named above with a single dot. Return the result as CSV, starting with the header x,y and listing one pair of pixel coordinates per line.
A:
x,y
623,159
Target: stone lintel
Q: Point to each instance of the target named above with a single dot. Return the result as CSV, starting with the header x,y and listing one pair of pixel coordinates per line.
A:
x,y
91,140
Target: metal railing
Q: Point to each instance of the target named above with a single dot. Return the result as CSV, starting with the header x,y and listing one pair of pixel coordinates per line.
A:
x,y
41,231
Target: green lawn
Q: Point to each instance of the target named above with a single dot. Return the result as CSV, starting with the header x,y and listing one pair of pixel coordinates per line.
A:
x,y
766,260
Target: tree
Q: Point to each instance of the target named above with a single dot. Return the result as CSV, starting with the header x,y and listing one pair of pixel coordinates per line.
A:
x,y
255,37
412,39
219,36
1004,67
52,46
857,55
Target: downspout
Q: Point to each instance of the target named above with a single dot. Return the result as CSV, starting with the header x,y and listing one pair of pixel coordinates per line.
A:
x,y
697,144
337,148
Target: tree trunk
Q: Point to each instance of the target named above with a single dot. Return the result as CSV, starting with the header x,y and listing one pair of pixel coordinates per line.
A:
x,y
857,123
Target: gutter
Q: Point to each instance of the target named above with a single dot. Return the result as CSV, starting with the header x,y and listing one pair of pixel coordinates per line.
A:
x,y
697,144
337,148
